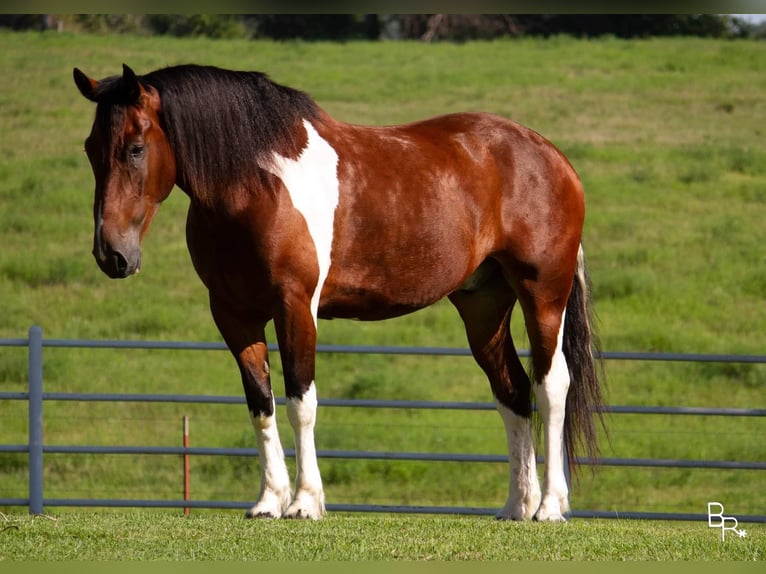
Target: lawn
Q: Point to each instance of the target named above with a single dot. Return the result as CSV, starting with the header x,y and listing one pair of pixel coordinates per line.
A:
x,y
126,536
667,137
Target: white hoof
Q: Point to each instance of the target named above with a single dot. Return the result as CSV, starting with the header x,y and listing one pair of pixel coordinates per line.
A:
x,y
551,510
306,505
270,505
520,508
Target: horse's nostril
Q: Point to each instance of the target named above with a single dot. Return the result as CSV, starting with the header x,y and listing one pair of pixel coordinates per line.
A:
x,y
120,263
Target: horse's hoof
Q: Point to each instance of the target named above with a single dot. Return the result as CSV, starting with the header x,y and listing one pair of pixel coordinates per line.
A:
x,y
548,517
305,512
263,515
302,514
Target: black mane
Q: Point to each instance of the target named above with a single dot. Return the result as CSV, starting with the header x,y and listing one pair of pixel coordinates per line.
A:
x,y
220,123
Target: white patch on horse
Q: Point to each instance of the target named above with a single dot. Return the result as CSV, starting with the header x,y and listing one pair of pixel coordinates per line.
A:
x,y
524,487
274,497
312,182
308,501
551,397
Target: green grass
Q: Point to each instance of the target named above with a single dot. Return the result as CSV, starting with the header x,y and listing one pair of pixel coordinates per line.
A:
x,y
141,536
667,136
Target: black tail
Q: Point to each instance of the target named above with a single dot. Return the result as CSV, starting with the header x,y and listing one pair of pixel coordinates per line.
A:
x,y
580,346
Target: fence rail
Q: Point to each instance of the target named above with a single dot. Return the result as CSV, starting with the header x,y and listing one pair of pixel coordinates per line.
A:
x,y
35,448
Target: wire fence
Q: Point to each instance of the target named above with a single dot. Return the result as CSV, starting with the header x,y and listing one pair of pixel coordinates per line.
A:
x,y
35,448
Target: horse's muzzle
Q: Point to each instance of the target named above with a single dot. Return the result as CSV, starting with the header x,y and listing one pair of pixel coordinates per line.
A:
x,y
115,264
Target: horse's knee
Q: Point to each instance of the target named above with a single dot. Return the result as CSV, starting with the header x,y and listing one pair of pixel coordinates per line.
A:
x,y
254,371
301,410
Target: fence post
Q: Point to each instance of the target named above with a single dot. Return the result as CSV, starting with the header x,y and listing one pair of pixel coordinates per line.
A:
x,y
186,463
35,420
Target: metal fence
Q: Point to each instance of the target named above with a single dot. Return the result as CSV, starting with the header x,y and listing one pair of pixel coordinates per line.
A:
x,y
36,448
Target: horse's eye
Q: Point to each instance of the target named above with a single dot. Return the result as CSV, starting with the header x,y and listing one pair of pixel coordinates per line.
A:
x,y
136,152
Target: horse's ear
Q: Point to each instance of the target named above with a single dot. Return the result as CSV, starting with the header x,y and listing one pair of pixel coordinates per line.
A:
x,y
131,83
86,85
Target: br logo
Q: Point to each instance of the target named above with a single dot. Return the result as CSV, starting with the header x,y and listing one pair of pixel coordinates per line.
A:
x,y
723,522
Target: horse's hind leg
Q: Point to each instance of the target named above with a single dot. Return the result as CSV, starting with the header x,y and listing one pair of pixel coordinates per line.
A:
x,y
544,306
486,313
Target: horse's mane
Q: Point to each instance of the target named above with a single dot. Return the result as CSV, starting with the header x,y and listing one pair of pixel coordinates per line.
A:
x,y
221,123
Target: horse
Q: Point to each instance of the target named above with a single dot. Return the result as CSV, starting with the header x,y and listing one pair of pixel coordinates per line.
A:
x,y
296,216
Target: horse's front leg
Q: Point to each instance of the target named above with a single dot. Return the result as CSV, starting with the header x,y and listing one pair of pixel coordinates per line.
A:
x,y
296,333
246,339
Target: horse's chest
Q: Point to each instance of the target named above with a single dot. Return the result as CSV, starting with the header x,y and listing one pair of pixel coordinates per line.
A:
x,y
269,243
225,257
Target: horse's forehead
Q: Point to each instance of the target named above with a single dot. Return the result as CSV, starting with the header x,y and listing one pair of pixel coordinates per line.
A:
x,y
114,123
137,120
113,126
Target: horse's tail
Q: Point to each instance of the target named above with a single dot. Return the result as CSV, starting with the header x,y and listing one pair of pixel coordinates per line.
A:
x,y
580,346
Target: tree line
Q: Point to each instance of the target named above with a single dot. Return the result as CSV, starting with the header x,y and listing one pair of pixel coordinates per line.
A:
x,y
425,27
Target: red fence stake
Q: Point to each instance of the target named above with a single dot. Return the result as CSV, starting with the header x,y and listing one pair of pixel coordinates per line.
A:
x,y
186,464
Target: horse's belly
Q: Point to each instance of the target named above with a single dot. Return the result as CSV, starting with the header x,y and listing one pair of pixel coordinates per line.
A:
x,y
369,307
386,291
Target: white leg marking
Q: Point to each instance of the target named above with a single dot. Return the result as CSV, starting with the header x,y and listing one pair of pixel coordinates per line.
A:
x,y
309,494
551,397
275,480
312,181
524,487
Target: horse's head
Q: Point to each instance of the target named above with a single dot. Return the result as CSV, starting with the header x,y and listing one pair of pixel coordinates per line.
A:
x,y
133,165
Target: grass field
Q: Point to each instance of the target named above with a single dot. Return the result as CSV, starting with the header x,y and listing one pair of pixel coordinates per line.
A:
x,y
142,536
667,137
